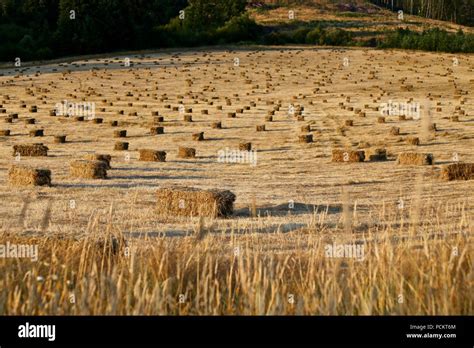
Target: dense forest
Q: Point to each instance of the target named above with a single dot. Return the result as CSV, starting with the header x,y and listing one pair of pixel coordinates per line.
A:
x,y
45,29
458,11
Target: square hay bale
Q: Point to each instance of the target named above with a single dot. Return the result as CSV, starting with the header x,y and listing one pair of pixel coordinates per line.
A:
x,y
158,119
395,131
414,158
458,171
269,118
198,136
60,139
8,120
260,128
245,146
381,119
188,201
300,118
99,157
188,118
306,128
455,118
377,155
4,132
157,130
231,114
97,120
432,127
29,121
79,118
152,155
120,133
349,123
413,141
36,133
186,152
37,149
121,146
305,138
113,123
27,176
216,125
85,169
402,118
348,156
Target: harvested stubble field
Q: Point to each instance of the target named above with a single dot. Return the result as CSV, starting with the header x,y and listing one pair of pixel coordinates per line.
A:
x,y
105,248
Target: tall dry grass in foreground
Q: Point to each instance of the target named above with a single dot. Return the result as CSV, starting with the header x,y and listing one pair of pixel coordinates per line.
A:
x,y
252,274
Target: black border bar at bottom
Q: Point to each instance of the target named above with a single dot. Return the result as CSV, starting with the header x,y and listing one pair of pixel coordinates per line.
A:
x,y
261,330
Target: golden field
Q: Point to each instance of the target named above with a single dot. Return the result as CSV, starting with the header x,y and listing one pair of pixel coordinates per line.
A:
x,y
104,247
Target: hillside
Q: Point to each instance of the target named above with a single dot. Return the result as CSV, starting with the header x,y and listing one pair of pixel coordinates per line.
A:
x,y
357,16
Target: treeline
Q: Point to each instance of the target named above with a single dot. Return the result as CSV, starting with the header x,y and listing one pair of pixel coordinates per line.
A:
x,y
437,40
44,29
457,11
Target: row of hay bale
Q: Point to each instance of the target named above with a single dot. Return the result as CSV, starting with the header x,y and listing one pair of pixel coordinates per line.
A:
x,y
379,154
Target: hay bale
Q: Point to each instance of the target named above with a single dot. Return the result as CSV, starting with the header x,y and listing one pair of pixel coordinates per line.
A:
x,y
305,138
5,132
186,152
377,155
348,156
300,118
432,127
188,118
188,201
157,130
395,131
414,158
8,120
36,133
27,176
99,157
231,114
29,121
121,146
35,150
120,133
79,118
306,128
85,169
60,139
152,155
455,118
260,128
113,123
269,118
245,146
413,141
158,119
198,136
458,171
349,123
216,125
97,120
381,119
